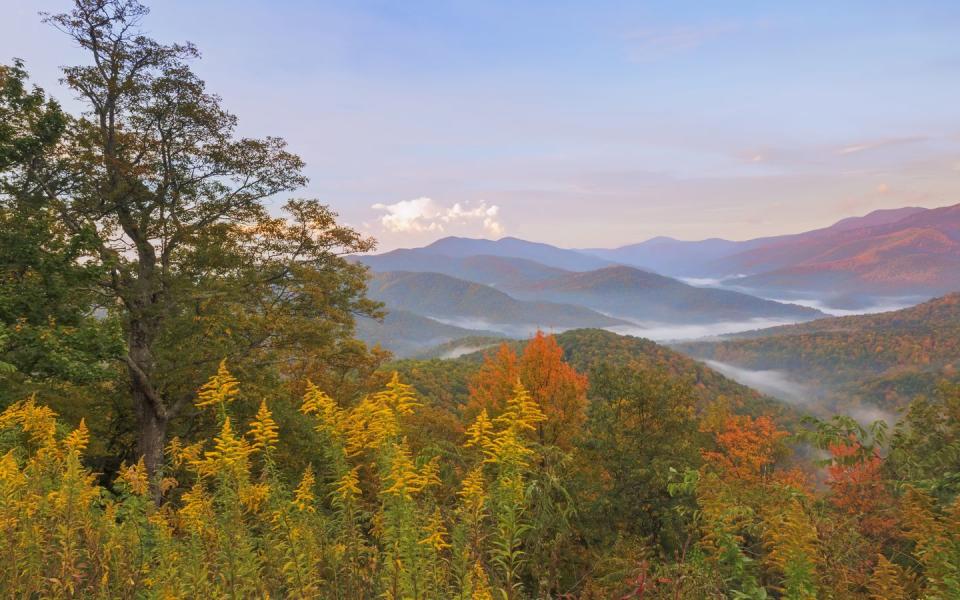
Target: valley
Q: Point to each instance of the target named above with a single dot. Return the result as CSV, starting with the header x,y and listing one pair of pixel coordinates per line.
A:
x,y
835,320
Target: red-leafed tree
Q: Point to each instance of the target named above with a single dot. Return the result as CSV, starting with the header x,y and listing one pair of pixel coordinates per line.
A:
x,y
746,446
858,489
560,391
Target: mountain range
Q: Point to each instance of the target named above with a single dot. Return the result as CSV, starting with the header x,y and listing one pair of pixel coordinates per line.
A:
x,y
512,286
899,252
442,297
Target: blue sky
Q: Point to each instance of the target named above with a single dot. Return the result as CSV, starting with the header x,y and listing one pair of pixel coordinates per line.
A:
x,y
579,123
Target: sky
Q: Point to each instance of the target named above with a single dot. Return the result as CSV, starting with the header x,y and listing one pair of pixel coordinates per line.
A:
x,y
581,124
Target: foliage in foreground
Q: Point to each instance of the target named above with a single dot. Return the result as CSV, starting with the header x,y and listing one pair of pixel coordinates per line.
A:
x,y
377,514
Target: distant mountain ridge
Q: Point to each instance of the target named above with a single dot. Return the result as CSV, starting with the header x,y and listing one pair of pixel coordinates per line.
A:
x,y
623,291
681,258
512,286
919,253
647,297
484,268
405,333
477,306
545,254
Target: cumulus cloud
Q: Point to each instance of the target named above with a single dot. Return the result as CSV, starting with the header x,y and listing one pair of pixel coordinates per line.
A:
x,y
426,214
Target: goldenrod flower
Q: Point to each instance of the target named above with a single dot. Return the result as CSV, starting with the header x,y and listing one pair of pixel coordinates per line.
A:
x,y
264,429
348,486
398,396
229,451
430,473
316,402
221,389
197,509
478,434
136,478
252,496
472,492
522,411
303,497
78,439
404,477
436,533
480,584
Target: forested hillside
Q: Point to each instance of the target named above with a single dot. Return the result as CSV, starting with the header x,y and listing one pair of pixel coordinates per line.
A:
x,y
186,410
886,359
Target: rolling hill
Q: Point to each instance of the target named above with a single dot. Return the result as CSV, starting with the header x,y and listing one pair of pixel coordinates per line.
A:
x,y
551,256
622,291
476,306
705,258
919,254
882,359
647,297
910,253
587,348
483,268
405,333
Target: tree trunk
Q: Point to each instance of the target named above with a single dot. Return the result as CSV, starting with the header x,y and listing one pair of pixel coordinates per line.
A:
x,y
151,437
151,412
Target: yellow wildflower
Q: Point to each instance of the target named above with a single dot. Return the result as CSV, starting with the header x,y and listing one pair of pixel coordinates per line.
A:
x,y
264,429
478,434
348,486
78,439
480,583
252,496
316,402
404,477
522,411
10,474
430,473
303,497
436,533
221,389
136,478
197,509
37,421
471,491
399,397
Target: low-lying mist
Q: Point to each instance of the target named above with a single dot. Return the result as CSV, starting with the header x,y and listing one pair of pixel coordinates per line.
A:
x,y
779,385
771,382
513,330
463,350
876,305
669,332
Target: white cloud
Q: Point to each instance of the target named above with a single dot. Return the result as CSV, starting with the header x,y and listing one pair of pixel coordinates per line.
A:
x,y
426,214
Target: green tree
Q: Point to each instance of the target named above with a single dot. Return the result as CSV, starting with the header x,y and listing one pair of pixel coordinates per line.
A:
x,y
642,427
170,207
48,330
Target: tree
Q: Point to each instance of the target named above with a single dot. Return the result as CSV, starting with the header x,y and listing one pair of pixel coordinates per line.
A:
x,y
172,207
642,427
47,328
493,384
553,384
557,387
